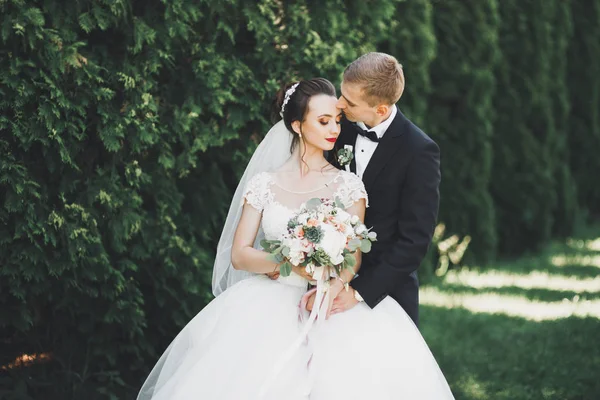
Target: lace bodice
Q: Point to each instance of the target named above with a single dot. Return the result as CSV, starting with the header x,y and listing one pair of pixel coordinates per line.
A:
x,y
261,193
278,205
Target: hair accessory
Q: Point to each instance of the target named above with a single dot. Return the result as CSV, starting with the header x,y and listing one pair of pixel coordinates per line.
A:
x,y
288,94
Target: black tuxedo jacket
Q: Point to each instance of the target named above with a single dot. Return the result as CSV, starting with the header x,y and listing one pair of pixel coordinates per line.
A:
x,y
402,180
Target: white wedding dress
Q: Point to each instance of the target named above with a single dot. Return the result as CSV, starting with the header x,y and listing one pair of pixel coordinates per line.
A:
x,y
240,346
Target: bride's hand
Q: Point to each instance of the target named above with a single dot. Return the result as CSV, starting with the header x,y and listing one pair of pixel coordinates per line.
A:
x,y
273,275
302,272
335,287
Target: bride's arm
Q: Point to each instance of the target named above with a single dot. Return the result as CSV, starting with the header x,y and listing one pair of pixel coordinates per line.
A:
x,y
243,254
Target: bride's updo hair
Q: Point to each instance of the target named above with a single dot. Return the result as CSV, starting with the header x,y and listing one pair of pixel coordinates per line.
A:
x,y
297,104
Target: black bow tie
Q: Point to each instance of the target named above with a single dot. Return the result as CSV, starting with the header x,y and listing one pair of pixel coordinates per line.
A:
x,y
372,136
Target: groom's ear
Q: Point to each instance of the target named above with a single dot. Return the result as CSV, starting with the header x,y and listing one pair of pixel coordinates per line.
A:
x,y
296,127
382,109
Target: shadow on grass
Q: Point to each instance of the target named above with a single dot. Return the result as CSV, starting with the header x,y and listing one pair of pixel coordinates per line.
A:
x,y
524,267
547,295
494,356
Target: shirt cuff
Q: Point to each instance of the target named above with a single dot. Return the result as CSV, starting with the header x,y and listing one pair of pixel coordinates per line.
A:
x,y
357,296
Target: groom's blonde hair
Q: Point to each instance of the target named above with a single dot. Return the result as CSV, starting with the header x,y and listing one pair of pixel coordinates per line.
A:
x,y
380,77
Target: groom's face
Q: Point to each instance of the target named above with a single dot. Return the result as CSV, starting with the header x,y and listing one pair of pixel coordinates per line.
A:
x,y
353,105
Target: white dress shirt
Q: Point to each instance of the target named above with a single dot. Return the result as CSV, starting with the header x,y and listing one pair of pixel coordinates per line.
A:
x,y
364,148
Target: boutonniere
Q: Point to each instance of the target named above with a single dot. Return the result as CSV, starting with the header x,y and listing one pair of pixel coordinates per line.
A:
x,y
345,156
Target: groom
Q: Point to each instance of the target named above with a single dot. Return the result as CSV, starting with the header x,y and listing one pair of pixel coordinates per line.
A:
x,y
400,167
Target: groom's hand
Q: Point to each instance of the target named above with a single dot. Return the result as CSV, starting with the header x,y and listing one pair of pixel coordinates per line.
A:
x,y
309,297
344,301
336,289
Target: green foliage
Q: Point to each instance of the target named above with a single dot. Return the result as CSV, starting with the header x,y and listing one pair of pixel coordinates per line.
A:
x,y
98,158
567,208
533,190
124,126
584,89
460,117
411,39
112,196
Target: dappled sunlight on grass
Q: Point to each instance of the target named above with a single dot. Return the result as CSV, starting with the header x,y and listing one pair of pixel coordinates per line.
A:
x,y
562,260
502,357
591,245
519,329
532,280
519,306
532,294
470,386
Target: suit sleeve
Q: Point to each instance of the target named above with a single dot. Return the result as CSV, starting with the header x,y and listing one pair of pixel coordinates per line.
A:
x,y
419,203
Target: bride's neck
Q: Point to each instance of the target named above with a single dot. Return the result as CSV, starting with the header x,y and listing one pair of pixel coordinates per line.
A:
x,y
308,158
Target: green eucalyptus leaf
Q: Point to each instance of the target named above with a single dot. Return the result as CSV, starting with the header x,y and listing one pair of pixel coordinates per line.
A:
x,y
365,245
350,260
313,204
285,269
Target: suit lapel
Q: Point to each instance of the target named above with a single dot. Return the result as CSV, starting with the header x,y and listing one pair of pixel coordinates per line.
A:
x,y
388,145
353,162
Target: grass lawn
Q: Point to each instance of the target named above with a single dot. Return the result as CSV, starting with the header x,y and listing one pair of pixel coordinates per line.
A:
x,y
528,329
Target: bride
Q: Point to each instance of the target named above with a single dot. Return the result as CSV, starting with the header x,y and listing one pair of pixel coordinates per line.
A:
x,y
254,341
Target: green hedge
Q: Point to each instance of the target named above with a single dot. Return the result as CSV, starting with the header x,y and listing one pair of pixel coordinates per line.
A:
x,y
104,122
565,215
532,189
460,117
124,126
584,89
412,41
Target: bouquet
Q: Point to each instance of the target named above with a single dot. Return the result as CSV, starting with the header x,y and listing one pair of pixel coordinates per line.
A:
x,y
321,234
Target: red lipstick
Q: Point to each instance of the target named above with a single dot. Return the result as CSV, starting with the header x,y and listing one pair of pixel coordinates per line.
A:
x,y
332,140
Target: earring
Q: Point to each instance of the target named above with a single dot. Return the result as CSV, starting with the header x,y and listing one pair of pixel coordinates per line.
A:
x,y
300,135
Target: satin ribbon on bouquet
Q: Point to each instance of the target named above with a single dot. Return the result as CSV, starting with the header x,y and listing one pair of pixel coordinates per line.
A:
x,y
321,275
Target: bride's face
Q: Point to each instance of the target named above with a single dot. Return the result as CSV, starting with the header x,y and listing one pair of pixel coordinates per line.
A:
x,y
321,125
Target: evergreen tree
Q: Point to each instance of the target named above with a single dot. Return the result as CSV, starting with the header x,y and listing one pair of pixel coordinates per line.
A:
x,y
411,40
567,208
123,129
525,140
584,89
460,117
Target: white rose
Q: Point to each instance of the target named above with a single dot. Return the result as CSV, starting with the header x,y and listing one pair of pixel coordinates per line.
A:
x,y
360,229
296,254
343,216
288,242
354,220
296,257
333,243
348,230
372,235
337,259
302,218
297,231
